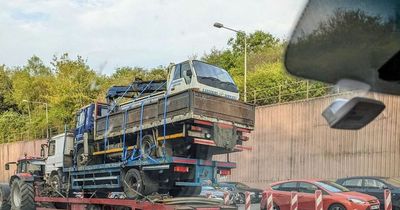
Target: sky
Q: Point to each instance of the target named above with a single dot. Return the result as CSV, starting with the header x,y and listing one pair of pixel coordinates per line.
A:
x,y
145,33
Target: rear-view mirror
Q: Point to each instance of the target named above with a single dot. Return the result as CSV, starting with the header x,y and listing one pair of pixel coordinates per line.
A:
x,y
352,114
359,40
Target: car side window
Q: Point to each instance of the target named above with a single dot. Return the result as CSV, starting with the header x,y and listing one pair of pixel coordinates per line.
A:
x,y
307,187
276,187
353,183
289,186
373,183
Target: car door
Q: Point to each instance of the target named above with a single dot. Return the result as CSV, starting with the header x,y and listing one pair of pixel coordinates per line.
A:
x,y
306,195
354,184
375,188
282,194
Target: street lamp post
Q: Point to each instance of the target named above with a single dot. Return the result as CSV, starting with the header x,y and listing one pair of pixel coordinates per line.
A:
x,y
47,114
220,25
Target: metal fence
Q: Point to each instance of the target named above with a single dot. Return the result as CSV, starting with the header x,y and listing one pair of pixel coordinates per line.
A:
x,y
290,91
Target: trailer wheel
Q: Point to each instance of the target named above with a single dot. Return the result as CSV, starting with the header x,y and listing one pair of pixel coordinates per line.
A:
x,y
22,195
133,184
4,197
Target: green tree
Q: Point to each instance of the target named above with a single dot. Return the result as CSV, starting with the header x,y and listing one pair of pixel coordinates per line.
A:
x,y
6,98
75,86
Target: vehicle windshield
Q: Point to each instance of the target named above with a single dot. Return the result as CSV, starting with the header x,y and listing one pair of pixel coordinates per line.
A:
x,y
332,187
393,181
214,76
35,166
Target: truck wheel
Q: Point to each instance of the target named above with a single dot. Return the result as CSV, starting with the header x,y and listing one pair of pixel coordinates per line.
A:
x,y
55,182
185,191
133,184
148,146
150,183
22,195
4,197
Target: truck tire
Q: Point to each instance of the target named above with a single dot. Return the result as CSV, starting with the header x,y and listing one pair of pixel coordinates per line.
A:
x,y
148,146
133,184
55,182
151,185
22,195
4,197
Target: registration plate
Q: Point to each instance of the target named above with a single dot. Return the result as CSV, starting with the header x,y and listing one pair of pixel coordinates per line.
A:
x,y
375,207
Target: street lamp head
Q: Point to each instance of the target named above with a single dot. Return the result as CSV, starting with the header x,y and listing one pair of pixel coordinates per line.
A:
x,y
218,25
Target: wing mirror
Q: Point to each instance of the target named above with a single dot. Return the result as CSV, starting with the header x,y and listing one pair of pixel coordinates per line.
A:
x,y
352,114
42,150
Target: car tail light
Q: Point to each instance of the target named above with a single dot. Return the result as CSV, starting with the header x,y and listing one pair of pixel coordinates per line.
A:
x,y
181,169
195,128
225,172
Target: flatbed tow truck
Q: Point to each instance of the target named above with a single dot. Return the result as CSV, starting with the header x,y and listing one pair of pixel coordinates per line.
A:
x,y
153,151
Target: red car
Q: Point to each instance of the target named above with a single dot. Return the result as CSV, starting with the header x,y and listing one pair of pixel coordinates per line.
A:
x,y
335,197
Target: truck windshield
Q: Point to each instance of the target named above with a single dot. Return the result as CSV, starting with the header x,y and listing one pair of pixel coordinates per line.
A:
x,y
214,76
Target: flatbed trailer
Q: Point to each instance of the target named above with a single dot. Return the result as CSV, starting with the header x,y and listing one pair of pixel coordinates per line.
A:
x,y
192,203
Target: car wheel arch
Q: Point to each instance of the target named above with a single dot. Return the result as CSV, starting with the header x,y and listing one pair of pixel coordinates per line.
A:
x,y
337,203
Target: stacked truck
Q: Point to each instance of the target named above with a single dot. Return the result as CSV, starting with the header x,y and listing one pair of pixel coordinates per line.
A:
x,y
152,138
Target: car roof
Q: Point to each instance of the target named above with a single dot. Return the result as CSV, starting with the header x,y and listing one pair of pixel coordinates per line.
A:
x,y
363,177
297,180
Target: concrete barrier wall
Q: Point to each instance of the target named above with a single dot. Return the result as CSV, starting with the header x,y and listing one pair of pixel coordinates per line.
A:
x,y
13,151
294,141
